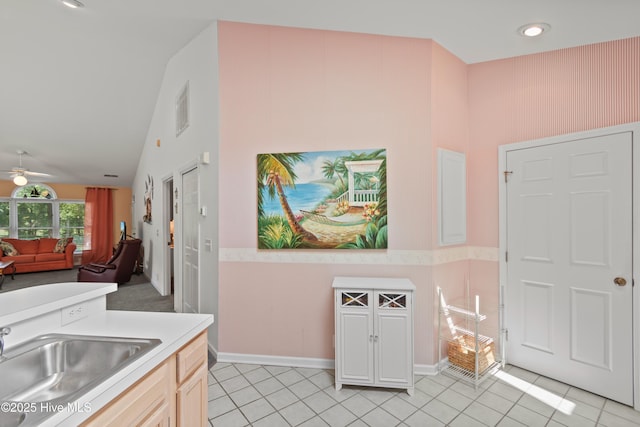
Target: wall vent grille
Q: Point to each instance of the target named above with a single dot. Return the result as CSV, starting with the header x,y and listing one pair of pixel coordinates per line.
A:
x,y
182,110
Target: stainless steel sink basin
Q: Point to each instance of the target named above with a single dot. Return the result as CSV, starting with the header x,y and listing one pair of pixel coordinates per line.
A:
x,y
52,370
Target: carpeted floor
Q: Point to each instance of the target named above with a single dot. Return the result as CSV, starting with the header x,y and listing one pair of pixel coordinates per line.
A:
x,y
136,295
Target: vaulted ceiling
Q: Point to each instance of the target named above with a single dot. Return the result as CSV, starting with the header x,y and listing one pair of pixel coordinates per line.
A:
x,y
78,86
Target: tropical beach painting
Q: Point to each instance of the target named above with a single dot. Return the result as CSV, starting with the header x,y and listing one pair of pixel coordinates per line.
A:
x,y
322,200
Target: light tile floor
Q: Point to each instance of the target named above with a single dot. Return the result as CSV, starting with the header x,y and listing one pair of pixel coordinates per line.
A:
x,y
255,395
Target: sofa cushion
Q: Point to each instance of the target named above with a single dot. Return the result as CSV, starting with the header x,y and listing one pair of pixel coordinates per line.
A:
x,y
49,257
20,259
8,249
47,245
61,245
25,247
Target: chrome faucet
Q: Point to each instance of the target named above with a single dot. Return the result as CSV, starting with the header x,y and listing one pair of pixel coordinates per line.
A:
x,y
3,331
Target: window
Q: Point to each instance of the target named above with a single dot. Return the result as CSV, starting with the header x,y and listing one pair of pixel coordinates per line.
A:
x,y
34,211
4,219
71,221
35,219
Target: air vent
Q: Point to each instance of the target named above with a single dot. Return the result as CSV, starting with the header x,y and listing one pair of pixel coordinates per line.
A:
x,y
182,110
110,175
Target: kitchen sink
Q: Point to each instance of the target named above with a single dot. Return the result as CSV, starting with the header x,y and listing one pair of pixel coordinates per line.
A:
x,y
48,372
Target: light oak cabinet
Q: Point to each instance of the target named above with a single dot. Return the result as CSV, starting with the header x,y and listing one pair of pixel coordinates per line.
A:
x,y
174,394
192,388
149,402
374,332
192,399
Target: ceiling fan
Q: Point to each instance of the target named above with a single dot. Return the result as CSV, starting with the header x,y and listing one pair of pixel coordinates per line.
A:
x,y
19,174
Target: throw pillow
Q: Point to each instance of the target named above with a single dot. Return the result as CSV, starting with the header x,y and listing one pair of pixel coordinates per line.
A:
x,y
47,245
60,246
8,249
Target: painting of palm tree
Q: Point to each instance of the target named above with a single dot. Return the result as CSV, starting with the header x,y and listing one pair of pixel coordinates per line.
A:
x,y
322,200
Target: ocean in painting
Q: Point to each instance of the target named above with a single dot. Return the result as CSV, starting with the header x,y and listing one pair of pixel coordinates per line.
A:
x,y
301,197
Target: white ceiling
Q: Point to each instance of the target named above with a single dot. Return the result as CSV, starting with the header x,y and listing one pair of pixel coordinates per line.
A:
x,y
78,87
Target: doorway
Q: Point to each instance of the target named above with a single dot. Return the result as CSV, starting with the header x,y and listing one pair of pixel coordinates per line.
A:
x,y
567,272
169,232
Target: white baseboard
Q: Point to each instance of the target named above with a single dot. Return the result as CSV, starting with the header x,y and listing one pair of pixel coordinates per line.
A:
x,y
213,350
300,362
425,369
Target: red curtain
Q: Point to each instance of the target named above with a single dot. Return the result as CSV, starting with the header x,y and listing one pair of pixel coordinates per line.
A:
x,y
98,225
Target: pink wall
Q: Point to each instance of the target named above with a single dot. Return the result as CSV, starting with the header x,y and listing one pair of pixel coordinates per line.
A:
x,y
449,130
449,94
542,95
284,89
532,97
287,309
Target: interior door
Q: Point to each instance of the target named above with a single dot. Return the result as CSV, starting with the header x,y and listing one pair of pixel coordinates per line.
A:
x,y
190,243
569,269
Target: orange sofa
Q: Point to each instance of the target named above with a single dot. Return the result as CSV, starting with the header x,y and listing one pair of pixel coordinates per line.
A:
x,y
39,254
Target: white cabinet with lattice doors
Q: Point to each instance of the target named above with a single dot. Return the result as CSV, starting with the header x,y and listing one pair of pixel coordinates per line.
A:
x,y
374,332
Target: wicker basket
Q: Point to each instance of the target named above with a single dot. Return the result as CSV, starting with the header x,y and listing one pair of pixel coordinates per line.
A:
x,y
462,352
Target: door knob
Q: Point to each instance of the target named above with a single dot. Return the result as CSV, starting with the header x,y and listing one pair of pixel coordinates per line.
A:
x,y
620,281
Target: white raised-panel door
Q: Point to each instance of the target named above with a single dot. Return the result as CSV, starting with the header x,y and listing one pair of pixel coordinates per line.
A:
x,y
191,243
354,337
569,242
393,338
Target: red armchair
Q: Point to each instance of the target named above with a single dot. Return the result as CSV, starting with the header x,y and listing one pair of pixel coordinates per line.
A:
x,y
118,269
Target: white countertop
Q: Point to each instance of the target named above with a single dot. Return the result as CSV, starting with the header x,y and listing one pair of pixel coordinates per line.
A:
x,y
27,303
173,329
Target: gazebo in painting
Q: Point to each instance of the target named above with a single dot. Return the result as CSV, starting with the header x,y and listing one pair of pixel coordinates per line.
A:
x,y
360,197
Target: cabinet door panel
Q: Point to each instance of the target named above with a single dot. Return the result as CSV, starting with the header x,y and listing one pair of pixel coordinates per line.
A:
x,y
356,346
159,418
192,400
147,400
393,342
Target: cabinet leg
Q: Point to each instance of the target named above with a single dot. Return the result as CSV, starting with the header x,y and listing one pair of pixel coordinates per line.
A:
x,y
410,391
338,386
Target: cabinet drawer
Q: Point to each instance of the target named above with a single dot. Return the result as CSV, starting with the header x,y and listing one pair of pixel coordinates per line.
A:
x,y
191,357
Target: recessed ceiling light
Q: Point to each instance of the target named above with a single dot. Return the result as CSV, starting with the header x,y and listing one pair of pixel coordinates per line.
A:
x,y
534,30
73,4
